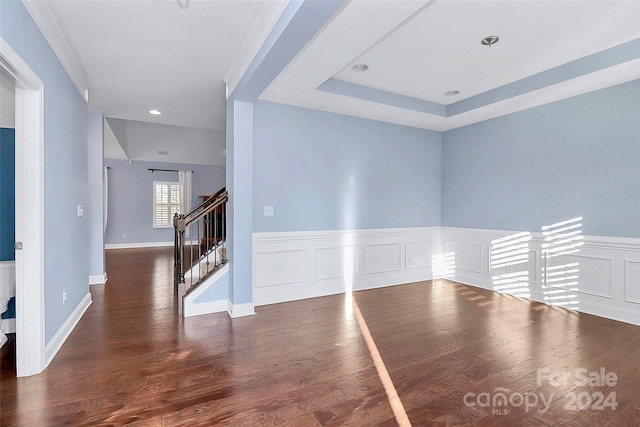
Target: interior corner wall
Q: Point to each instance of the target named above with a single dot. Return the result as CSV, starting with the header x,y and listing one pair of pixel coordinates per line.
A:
x,y
130,204
327,171
575,157
240,134
95,210
66,247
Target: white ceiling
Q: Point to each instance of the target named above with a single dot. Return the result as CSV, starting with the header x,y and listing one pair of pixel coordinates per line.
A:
x,y
439,49
134,55
139,55
173,56
423,49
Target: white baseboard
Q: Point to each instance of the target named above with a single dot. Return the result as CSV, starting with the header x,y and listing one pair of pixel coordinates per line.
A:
x,y
8,326
240,310
206,308
296,265
233,310
65,330
98,279
137,245
605,277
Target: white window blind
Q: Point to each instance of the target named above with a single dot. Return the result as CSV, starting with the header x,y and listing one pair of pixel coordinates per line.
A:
x,y
166,203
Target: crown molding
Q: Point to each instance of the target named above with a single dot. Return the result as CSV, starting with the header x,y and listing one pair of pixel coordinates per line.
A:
x,y
45,19
261,27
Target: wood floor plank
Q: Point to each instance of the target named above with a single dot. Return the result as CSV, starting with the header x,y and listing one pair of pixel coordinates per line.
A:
x,y
132,361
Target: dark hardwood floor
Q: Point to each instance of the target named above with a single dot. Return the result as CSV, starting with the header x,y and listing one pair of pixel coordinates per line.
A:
x,y
132,360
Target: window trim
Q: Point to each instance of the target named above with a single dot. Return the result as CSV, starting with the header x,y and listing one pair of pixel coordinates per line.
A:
x,y
153,206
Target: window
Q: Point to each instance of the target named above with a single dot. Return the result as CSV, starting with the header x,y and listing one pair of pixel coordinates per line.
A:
x,y
166,203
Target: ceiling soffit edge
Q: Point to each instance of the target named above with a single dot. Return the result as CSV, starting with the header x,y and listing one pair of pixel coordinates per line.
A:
x,y
261,27
52,31
598,61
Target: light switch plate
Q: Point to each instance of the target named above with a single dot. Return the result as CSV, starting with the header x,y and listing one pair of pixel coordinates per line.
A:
x,y
80,210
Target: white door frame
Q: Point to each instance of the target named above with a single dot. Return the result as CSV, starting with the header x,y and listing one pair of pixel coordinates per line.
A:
x,y
30,345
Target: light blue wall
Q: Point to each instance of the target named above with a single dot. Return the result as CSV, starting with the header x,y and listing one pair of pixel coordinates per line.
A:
x,y
324,171
240,206
130,207
66,247
218,292
575,157
95,213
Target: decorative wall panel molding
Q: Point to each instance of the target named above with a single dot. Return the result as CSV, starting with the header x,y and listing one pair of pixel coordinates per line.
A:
x,y
632,281
600,275
419,254
280,267
382,258
296,265
468,254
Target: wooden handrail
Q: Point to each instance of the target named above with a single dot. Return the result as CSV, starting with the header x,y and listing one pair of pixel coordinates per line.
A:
x,y
207,221
206,201
210,208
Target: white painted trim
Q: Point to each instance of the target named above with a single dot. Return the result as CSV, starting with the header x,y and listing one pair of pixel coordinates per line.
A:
x,y
8,326
332,235
65,330
191,308
137,245
296,265
619,314
261,27
45,19
98,280
627,264
288,266
240,310
29,98
605,242
605,298
11,62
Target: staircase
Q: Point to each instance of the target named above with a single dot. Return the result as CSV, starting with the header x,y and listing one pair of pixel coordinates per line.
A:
x,y
199,245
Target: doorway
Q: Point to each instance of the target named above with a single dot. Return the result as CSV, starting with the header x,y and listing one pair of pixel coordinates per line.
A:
x,y
29,211
7,213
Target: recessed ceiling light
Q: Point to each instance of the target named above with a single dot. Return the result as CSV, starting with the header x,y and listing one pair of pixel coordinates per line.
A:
x,y
155,112
163,152
358,68
490,40
452,92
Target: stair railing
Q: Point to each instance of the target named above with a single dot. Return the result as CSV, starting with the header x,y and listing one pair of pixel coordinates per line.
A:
x,y
199,243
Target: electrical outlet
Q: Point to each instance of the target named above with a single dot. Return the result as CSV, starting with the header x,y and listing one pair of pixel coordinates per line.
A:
x,y
268,211
64,295
80,210
124,235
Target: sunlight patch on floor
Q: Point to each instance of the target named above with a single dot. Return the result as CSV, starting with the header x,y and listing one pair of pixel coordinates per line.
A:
x,y
392,395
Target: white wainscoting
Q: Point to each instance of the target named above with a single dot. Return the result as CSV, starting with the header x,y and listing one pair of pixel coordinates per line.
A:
x,y
295,265
601,277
